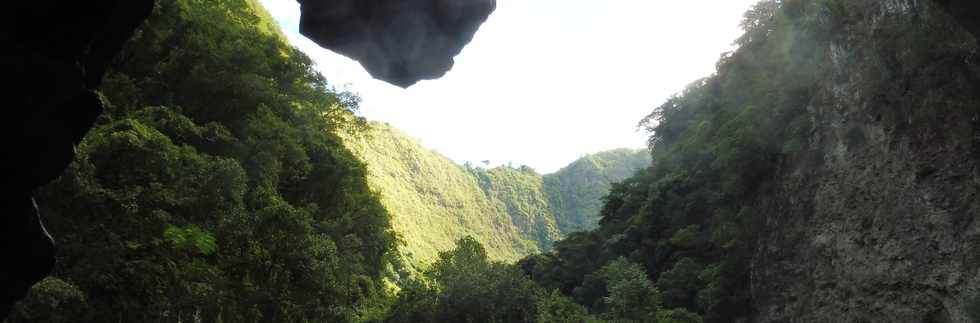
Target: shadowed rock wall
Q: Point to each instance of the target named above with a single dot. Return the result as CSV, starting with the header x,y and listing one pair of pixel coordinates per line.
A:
x,y
879,223
55,53
966,12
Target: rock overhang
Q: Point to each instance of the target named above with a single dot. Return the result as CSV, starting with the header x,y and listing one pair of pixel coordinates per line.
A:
x,y
398,41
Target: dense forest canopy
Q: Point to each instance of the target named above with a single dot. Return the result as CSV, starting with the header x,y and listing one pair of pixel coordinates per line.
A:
x,y
676,242
215,187
218,187
575,191
225,183
433,201
692,219
512,211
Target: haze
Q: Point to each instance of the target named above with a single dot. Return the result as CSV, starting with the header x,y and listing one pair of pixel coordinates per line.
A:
x,y
545,81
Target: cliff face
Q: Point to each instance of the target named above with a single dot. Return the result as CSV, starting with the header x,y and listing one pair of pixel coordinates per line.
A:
x,y
56,55
878,220
829,171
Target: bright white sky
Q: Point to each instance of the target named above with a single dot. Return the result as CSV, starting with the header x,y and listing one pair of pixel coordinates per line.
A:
x,y
545,81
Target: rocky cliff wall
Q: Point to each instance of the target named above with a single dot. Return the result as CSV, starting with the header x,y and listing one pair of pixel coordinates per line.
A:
x,y
878,221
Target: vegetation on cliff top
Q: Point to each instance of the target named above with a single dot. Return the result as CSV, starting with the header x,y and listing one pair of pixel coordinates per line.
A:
x,y
692,219
218,187
676,241
215,187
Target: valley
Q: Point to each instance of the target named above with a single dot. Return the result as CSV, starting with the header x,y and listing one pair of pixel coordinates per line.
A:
x,y
512,211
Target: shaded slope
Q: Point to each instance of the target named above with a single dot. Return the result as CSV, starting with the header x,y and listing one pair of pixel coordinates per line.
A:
x,y
826,173
575,192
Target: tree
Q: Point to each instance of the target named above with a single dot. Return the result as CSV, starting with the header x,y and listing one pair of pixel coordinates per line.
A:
x,y
215,187
631,296
554,307
463,285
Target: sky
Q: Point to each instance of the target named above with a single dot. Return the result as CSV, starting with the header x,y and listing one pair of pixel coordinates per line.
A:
x,y
545,82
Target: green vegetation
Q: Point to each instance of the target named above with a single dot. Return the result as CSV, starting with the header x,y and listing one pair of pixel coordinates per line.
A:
x,y
513,212
464,285
674,241
215,187
520,193
434,201
689,218
219,187
266,23
575,192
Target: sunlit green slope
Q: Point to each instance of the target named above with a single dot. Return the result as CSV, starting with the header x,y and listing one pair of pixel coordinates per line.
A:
x,y
520,193
434,201
266,23
214,186
512,211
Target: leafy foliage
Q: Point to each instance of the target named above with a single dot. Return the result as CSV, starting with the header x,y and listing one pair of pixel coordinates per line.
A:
x,y
215,187
692,219
464,285
520,193
218,187
575,192
512,211
686,219
631,296
51,300
554,307
190,238
433,201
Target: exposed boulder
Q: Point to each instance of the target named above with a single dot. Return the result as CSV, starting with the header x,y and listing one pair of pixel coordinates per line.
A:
x,y
397,41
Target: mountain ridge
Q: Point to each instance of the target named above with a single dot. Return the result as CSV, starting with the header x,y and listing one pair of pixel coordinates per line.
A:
x,y
511,210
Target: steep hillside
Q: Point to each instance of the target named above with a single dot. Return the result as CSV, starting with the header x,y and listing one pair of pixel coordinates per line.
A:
x,y
511,211
575,192
214,187
828,172
520,193
265,22
434,201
